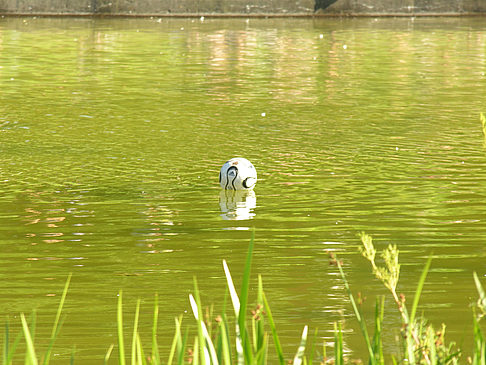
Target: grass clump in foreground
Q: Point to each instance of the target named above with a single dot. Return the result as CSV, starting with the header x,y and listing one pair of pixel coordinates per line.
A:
x,y
245,339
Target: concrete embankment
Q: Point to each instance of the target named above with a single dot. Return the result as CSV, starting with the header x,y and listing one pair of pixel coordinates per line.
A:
x,y
243,7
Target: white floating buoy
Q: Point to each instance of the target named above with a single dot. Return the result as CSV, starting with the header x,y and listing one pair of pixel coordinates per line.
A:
x,y
238,174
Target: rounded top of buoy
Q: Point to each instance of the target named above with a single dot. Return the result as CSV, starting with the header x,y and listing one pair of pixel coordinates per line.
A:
x,y
238,174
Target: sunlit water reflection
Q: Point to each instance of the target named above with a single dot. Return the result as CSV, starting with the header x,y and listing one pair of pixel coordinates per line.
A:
x,y
112,133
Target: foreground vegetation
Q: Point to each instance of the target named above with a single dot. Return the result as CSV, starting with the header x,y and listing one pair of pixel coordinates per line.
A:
x,y
243,339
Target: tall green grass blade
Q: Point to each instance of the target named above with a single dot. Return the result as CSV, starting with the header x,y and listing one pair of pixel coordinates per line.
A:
x,y
197,311
176,341
358,316
231,287
182,349
254,334
236,306
135,333
418,292
312,348
411,338
377,338
479,356
483,354
225,342
260,329
245,285
324,352
209,350
140,354
224,339
119,318
31,357
155,347
108,354
261,354
338,345
31,326
60,307
278,346
301,350
47,356
481,292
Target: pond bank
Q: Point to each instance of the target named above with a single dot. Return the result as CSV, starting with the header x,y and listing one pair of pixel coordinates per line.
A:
x,y
239,8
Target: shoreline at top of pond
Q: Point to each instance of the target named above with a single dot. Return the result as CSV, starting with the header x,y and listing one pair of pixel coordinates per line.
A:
x,y
241,15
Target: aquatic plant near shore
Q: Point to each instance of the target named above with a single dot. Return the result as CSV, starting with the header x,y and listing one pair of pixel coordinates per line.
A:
x,y
249,345
422,343
31,357
248,342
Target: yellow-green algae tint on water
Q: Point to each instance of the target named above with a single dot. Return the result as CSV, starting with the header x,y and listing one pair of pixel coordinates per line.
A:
x,y
112,134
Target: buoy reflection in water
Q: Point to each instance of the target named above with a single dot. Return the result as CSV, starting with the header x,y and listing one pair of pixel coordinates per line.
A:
x,y
237,204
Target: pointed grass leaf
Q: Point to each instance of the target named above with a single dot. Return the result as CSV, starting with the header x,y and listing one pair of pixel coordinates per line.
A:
x,y
61,305
481,293
377,336
135,334
261,354
140,353
108,354
10,350
245,285
57,323
119,319
176,341
31,357
198,315
209,350
233,294
418,292
236,306
301,350
276,341
358,315
155,358
313,348
182,348
338,345
225,342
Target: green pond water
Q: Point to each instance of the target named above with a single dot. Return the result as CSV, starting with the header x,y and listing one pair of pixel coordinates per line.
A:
x,y
112,133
